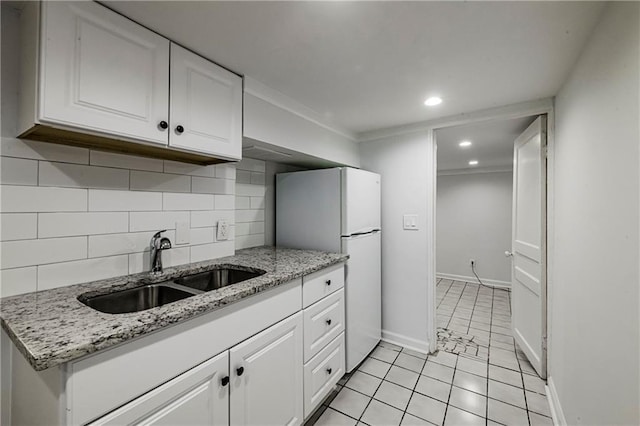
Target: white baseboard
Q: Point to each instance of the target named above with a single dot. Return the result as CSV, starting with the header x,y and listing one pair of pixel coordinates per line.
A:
x,y
557,415
407,342
472,279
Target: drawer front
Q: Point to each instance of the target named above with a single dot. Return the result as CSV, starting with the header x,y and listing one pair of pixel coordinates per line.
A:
x,y
322,373
322,283
323,321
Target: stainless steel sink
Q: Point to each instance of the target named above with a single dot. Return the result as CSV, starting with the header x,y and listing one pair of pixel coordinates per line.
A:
x,y
153,295
217,278
137,299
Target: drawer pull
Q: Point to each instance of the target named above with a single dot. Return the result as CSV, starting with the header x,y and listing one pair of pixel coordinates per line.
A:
x,y
239,371
329,370
224,381
328,282
328,322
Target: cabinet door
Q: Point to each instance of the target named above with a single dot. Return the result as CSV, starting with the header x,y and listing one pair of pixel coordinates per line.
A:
x,y
102,72
266,376
197,397
206,106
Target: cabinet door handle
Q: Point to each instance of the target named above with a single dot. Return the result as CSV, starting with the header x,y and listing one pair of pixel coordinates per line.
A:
x,y
328,321
329,370
179,129
163,125
224,381
239,371
328,282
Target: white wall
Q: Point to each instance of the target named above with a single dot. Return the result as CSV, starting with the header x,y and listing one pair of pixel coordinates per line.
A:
x,y
250,203
404,163
594,342
474,222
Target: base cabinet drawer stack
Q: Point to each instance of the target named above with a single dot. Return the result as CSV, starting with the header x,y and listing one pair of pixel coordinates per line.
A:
x,y
324,341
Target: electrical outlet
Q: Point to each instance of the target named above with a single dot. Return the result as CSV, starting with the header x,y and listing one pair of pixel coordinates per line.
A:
x,y
222,231
472,262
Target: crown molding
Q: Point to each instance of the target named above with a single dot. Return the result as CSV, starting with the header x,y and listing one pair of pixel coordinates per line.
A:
x,y
495,169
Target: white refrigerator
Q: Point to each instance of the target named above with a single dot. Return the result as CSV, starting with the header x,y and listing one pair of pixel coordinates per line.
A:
x,y
338,210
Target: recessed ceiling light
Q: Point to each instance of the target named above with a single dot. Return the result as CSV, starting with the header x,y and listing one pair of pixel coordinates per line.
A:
x,y
433,101
465,144
473,162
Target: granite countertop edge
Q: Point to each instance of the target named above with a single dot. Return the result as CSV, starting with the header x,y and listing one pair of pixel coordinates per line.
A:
x,y
52,327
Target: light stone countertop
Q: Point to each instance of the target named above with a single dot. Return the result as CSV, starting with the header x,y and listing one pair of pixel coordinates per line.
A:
x,y
52,327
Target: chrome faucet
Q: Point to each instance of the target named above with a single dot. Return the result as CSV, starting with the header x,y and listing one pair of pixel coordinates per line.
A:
x,y
157,245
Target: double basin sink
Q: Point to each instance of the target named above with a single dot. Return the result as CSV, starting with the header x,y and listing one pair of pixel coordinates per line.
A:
x,y
157,294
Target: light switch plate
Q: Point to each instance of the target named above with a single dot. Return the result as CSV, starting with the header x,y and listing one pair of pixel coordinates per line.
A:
x,y
222,231
410,222
183,233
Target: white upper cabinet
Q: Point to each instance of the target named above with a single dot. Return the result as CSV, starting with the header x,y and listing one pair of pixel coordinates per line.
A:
x,y
206,106
103,72
94,78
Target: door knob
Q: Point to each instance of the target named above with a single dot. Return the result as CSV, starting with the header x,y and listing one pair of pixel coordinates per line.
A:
x,y
508,253
163,125
179,129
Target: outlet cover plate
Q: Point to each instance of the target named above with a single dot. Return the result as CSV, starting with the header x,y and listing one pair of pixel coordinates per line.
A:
x,y
222,232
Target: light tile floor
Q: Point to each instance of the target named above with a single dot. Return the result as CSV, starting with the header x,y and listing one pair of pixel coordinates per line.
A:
x,y
398,386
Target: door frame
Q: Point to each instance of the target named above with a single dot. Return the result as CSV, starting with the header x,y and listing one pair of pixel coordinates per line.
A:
x,y
544,106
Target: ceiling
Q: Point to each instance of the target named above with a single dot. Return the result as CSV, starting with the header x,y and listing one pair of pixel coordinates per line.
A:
x,y
370,65
492,144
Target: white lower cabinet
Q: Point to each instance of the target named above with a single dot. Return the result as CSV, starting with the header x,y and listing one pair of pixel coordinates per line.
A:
x,y
322,373
198,397
267,382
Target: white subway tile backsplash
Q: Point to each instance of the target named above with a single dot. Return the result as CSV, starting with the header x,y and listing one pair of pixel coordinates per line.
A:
x,y
250,190
174,201
212,251
114,244
245,241
37,252
212,185
18,281
79,176
17,171
257,178
249,216
252,165
189,169
163,182
156,221
225,202
243,176
72,224
23,199
243,203
104,200
140,262
18,226
243,228
80,271
257,203
256,228
124,161
226,171
202,235
12,147
200,219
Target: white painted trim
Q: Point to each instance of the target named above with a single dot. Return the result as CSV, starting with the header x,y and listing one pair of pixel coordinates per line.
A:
x,y
557,415
496,169
432,313
470,279
282,101
406,342
523,109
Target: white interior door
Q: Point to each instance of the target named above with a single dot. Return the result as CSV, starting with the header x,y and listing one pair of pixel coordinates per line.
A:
x,y
528,297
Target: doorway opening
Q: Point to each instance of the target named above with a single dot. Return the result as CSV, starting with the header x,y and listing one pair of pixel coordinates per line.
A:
x,y
490,302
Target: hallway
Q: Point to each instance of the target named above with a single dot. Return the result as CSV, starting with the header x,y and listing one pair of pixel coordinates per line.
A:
x,y
478,376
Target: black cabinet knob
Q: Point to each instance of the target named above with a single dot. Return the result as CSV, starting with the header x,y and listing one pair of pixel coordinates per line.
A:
x,y
329,370
163,125
328,322
224,381
179,129
239,371
328,282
